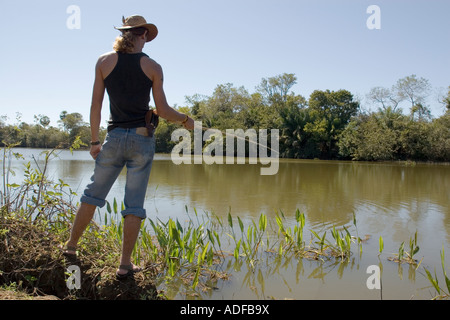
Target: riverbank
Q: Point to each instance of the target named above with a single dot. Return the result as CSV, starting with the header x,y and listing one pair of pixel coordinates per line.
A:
x,y
32,265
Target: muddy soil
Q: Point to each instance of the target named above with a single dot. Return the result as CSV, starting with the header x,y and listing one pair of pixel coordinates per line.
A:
x,y
32,262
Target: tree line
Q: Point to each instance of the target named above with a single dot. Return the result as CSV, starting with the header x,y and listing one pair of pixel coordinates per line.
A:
x,y
41,134
327,125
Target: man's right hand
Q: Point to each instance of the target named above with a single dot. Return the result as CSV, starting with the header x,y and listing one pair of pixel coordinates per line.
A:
x,y
189,124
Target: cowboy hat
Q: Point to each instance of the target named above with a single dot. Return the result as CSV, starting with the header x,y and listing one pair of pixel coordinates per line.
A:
x,y
136,21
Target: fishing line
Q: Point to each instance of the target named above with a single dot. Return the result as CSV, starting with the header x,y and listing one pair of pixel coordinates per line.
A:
x,y
239,137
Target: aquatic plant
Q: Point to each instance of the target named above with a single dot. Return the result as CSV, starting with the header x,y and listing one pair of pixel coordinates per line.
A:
x,y
250,241
176,251
407,256
441,292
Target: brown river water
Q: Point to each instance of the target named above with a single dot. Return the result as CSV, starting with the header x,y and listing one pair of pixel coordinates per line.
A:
x,y
391,200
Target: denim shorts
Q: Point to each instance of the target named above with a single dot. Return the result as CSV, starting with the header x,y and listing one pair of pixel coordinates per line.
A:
x,y
122,147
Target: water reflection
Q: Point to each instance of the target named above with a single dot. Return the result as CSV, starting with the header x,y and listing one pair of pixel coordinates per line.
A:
x,y
387,198
328,192
283,278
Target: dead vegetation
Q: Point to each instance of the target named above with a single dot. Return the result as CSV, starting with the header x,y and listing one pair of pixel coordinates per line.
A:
x,y
32,266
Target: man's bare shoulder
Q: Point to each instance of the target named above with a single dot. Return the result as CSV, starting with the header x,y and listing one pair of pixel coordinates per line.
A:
x,y
148,62
107,57
106,63
151,68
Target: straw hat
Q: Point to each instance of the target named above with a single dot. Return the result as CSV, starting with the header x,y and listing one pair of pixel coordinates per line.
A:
x,y
136,21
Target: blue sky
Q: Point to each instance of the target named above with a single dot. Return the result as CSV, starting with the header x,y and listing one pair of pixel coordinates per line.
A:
x,y
46,67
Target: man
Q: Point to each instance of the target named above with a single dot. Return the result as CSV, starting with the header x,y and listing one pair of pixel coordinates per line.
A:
x,y
128,75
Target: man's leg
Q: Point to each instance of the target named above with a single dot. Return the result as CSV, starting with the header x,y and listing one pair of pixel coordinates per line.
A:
x,y
108,165
131,227
139,164
82,219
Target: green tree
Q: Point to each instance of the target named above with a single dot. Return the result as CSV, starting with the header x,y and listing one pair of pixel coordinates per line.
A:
x,y
414,140
330,113
43,120
56,138
163,136
71,121
73,124
295,142
439,139
221,110
40,128
276,89
256,114
367,137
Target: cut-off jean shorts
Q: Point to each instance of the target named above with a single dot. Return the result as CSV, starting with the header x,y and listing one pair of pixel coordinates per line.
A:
x,y
122,147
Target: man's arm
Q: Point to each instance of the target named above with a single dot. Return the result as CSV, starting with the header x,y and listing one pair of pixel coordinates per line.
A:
x,y
155,73
98,93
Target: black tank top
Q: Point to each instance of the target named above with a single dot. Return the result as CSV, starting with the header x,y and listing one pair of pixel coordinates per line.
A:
x,y
129,89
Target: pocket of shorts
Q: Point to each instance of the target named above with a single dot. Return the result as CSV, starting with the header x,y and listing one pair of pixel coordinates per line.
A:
x,y
143,145
110,146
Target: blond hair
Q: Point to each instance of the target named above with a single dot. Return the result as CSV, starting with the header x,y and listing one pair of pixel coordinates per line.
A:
x,y
125,42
